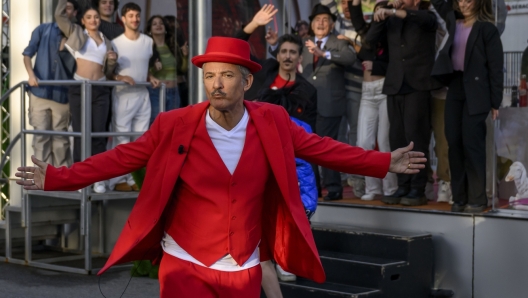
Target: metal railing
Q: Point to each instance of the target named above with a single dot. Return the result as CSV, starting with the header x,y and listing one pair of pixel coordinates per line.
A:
x,y
512,74
86,136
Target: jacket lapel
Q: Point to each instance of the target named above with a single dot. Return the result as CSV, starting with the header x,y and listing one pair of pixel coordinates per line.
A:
x,y
471,42
184,128
270,139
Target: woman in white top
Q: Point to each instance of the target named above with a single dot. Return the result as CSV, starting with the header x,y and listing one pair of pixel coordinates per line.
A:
x,y
95,60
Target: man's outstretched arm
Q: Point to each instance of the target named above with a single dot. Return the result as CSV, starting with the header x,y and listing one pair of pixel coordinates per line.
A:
x,y
345,158
121,160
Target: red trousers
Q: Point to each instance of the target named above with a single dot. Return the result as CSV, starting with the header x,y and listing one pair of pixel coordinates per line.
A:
x,y
182,279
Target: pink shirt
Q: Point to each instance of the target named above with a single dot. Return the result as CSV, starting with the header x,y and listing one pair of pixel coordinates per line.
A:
x,y
458,53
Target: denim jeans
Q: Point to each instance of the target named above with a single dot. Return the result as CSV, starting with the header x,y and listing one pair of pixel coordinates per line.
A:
x,y
172,101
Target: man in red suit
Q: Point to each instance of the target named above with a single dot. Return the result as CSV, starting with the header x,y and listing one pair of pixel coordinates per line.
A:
x,y
220,192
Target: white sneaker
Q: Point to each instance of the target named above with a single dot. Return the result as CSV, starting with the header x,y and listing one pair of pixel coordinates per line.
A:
x,y
283,275
444,192
99,187
368,197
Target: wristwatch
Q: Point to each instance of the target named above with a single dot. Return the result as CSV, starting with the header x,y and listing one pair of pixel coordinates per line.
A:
x,y
394,11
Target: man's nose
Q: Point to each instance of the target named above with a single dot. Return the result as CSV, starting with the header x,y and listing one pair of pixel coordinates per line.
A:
x,y
217,84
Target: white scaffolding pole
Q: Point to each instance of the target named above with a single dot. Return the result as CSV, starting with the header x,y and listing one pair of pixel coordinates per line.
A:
x,y
200,29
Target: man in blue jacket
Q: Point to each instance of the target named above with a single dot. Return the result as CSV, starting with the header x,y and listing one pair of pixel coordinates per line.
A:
x,y
48,105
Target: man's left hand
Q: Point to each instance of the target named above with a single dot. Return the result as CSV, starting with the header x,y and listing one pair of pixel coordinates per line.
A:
x,y
382,14
405,161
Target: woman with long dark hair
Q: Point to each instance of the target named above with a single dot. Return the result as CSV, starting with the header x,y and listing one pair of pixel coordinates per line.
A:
x,y
470,64
95,61
168,60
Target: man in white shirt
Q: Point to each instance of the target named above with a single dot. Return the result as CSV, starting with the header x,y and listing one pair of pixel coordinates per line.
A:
x,y
131,104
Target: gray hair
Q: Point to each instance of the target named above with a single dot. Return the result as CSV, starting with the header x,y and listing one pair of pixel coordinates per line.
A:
x,y
245,73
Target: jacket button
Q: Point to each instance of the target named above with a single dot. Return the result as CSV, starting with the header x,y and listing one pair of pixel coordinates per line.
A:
x,y
476,78
233,218
233,201
233,184
402,45
403,59
155,221
231,234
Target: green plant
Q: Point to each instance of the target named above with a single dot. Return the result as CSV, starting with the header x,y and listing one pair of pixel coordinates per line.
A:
x,y
143,268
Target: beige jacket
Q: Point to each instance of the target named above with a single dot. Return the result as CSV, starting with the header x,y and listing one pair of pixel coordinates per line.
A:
x,y
76,37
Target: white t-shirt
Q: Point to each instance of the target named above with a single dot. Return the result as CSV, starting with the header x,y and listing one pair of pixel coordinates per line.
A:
x,y
133,56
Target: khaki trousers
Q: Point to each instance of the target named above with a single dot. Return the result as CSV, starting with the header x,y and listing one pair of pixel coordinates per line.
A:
x,y
46,114
441,147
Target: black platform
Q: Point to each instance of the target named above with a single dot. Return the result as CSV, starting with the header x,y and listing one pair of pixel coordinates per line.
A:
x,y
368,263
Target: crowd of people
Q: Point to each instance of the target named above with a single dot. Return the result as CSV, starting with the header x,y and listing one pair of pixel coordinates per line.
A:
x,y
91,43
397,79
377,85
418,68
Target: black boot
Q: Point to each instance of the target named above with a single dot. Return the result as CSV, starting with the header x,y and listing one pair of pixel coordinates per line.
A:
x,y
396,196
414,198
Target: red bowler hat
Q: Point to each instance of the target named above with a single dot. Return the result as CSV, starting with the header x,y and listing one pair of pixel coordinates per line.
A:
x,y
227,50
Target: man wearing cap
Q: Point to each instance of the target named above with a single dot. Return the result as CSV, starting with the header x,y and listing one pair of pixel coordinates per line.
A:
x,y
220,192
324,65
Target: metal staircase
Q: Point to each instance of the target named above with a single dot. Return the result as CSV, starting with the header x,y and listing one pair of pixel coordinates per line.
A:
x,y
54,230
361,263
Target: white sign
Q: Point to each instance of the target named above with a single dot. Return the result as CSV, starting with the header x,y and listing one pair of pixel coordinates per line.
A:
x,y
520,7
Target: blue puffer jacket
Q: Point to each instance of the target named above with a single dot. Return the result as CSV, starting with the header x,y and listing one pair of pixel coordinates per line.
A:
x,y
306,177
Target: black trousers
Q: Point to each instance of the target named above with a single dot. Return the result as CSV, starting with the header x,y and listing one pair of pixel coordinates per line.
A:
x,y
329,127
410,120
100,107
466,138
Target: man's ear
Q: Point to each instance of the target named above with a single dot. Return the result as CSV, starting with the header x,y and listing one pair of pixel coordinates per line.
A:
x,y
249,82
300,58
123,19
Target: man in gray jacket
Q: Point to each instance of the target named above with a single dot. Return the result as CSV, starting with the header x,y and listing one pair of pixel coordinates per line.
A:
x,y
323,65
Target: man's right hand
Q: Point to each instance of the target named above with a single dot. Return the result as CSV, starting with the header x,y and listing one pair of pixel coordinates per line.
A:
x,y
33,81
35,176
126,79
265,14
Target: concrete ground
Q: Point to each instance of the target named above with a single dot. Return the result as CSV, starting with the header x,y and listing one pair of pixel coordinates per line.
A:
x,y
17,281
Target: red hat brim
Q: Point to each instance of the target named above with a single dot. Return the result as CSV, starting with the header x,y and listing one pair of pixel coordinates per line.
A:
x,y
226,58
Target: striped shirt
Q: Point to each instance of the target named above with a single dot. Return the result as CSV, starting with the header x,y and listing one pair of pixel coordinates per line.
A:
x,y
353,73
111,30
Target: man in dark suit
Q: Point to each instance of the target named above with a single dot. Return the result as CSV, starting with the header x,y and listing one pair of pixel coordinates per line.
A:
x,y
411,32
323,65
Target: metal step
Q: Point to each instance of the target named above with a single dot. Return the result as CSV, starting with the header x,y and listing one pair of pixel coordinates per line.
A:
x,y
362,271
366,242
398,264
303,288
56,208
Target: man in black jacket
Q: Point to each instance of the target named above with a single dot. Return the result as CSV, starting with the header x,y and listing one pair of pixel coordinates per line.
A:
x,y
278,81
411,32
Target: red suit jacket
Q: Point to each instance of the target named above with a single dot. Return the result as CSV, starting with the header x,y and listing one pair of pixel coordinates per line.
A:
x,y
286,234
